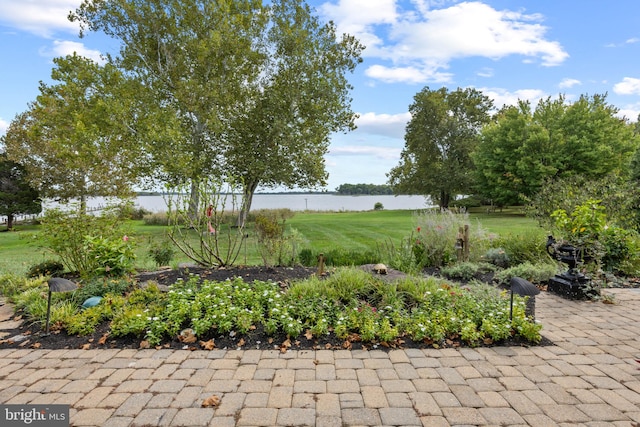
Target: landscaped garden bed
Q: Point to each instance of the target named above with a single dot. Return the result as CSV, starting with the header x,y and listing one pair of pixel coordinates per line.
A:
x,y
274,308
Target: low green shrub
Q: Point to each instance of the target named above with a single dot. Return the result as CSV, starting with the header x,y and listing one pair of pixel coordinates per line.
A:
x,y
162,253
523,247
497,257
99,287
466,270
111,256
46,268
537,273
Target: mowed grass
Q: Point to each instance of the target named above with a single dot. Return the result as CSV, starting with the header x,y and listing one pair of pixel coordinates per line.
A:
x,y
320,232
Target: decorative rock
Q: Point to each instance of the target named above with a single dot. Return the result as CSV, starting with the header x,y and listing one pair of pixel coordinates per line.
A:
x,y
380,269
91,302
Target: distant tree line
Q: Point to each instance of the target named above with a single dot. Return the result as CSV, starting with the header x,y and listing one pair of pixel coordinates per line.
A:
x,y
369,189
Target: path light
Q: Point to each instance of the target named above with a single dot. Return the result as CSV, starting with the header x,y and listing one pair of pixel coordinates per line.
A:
x,y
524,288
57,284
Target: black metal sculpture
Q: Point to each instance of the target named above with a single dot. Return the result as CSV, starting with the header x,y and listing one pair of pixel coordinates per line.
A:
x,y
572,283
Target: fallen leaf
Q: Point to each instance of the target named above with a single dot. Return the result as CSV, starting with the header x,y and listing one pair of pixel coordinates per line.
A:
x,y
91,340
285,346
103,339
144,344
241,342
24,343
308,334
36,345
270,340
211,402
347,345
328,346
208,345
252,327
316,362
187,336
85,346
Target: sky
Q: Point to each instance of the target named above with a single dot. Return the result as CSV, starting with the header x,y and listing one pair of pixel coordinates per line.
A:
x,y
509,49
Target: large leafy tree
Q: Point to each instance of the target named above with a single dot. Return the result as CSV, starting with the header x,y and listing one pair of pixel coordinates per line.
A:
x,y
75,140
300,98
443,131
524,148
17,197
255,88
197,60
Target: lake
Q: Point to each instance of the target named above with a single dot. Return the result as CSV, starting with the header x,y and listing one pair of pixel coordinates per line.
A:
x,y
299,202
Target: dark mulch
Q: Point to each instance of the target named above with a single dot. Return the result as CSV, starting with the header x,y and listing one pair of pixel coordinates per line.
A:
x,y
256,339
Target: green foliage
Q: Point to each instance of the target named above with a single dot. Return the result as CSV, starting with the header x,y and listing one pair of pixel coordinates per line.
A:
x,y
338,257
436,236
465,271
156,218
523,148
86,244
162,253
76,139
112,256
378,206
84,322
526,246
536,273
618,196
46,268
401,257
443,132
17,196
497,257
275,246
12,286
100,287
369,189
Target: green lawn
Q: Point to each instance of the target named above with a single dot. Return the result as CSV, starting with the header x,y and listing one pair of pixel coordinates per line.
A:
x,y
321,231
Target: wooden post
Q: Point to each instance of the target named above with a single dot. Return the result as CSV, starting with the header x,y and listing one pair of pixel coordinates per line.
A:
x,y
321,264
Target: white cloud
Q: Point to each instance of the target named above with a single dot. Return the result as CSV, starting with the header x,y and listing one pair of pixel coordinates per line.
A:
x,y
628,86
385,153
66,47
40,17
423,41
485,72
4,125
409,75
569,83
389,125
502,97
632,40
630,112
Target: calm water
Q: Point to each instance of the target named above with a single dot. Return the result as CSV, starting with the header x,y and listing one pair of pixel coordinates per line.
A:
x,y
301,202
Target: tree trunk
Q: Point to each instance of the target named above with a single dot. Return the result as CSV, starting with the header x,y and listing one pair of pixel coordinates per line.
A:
x,y
10,221
247,197
444,199
194,201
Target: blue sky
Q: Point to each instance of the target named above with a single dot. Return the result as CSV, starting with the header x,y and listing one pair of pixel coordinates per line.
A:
x,y
509,49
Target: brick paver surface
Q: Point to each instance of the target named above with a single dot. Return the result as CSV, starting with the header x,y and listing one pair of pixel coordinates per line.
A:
x,y
587,377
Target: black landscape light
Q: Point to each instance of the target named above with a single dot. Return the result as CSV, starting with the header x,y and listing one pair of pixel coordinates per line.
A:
x,y
57,284
524,288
